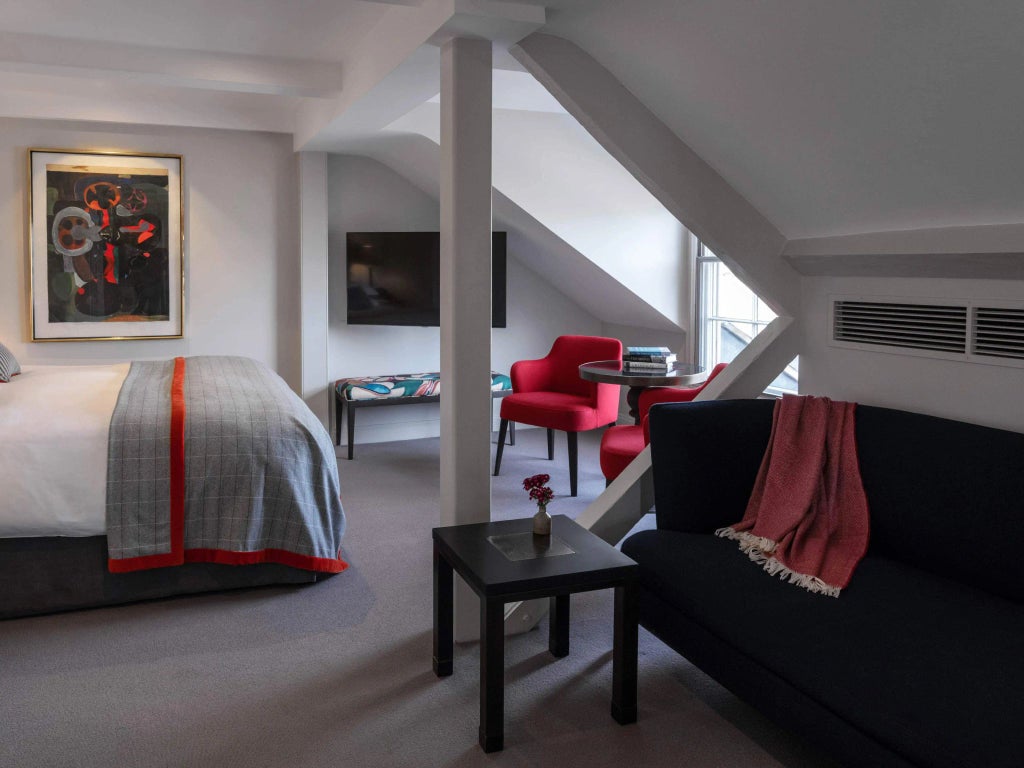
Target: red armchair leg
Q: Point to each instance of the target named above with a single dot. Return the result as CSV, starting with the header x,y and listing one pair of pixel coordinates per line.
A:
x,y
502,428
573,456
551,445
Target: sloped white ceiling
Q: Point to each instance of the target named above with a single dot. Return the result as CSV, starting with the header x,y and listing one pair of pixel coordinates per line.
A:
x,y
303,29
831,117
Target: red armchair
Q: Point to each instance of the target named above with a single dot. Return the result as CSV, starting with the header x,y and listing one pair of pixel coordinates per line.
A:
x,y
621,444
550,393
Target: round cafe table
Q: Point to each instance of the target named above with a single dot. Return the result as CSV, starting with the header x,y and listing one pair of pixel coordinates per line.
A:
x,y
613,372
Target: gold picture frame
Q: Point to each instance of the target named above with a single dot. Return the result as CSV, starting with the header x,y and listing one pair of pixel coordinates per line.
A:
x,y
106,245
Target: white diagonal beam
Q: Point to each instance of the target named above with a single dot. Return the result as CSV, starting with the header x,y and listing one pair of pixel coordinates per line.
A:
x,y
680,179
709,207
758,363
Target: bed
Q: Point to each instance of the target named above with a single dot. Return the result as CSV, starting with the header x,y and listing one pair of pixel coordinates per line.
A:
x,y
231,480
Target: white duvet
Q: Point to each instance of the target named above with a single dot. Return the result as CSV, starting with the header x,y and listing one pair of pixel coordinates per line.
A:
x,y
54,421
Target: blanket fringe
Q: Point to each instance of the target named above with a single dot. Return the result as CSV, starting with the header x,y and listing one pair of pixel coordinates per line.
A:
x,y
759,549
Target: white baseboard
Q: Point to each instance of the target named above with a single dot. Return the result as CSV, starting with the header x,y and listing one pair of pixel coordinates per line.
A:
x,y
374,426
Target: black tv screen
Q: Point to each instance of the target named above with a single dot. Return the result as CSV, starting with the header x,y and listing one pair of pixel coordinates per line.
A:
x,y
394,278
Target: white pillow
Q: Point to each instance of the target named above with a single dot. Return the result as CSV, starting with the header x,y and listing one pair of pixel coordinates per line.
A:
x,y
8,364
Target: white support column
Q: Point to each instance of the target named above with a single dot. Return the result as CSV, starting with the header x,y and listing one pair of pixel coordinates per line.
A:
x,y
465,297
313,282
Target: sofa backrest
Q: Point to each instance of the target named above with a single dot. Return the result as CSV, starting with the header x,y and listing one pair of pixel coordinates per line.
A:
x,y
705,457
944,496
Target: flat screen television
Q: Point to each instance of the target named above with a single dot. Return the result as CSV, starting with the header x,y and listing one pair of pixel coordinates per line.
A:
x,y
394,278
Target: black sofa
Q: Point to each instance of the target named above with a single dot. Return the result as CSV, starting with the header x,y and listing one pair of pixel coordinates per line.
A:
x,y
921,660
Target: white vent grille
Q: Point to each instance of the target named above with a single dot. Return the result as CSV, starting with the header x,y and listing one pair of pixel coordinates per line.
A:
x,y
998,332
941,328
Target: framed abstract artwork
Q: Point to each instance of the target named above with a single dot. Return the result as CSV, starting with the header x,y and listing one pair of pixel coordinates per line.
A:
x,y
106,245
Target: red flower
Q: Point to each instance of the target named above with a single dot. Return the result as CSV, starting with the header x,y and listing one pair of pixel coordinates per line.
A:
x,y
537,490
535,481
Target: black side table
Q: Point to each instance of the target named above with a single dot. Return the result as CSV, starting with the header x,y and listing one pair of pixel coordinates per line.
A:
x,y
504,562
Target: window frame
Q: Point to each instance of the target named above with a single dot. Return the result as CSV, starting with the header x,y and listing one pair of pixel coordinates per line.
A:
x,y
703,320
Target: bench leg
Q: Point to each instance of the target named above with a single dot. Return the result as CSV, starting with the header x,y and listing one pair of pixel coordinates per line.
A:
x,y
338,405
502,428
551,445
351,431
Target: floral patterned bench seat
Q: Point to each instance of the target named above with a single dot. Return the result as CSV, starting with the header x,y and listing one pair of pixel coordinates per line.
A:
x,y
401,389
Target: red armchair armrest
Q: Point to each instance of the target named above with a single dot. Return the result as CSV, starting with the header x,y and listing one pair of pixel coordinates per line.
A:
x,y
531,375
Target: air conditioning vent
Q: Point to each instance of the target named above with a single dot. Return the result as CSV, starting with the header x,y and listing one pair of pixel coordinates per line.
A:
x,y
941,328
999,332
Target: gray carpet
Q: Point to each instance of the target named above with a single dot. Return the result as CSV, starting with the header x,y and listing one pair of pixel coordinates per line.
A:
x,y
339,673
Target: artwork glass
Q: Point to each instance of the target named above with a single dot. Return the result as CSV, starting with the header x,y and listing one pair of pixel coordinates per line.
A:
x,y
106,256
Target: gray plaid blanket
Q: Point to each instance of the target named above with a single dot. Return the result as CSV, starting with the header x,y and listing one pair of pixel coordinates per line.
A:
x,y
260,474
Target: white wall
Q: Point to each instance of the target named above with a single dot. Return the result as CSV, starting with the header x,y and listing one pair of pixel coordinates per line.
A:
x,y
241,242
365,195
978,393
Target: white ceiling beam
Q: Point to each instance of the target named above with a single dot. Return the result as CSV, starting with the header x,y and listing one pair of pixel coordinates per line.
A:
x,y
971,266
388,73
993,252
391,41
131,103
501,21
203,70
414,81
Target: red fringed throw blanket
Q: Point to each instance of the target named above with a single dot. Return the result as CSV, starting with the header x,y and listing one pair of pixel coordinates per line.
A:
x,y
807,518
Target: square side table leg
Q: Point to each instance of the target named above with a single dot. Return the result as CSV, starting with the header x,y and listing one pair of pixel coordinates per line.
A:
x,y
558,626
444,616
624,661
492,675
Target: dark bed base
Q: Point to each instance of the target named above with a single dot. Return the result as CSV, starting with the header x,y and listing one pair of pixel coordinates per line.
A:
x,y
56,573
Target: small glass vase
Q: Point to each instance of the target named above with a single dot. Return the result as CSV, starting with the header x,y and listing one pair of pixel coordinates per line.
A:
x,y
542,521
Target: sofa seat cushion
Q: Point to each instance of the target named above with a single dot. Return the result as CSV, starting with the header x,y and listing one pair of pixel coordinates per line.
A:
x,y
553,410
926,666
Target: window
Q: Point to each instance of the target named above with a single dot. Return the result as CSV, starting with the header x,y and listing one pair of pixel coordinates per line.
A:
x,y
729,315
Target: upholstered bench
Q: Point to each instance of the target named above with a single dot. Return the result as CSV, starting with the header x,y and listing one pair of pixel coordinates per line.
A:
x,y
403,389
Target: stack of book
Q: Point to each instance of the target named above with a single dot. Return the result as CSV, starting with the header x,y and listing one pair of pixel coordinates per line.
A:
x,y
650,359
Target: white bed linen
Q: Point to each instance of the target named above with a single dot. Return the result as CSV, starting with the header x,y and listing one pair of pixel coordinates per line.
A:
x,y
54,421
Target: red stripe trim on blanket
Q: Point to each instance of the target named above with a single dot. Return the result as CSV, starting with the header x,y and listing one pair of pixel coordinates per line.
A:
x,y
177,481
279,556
225,557
178,460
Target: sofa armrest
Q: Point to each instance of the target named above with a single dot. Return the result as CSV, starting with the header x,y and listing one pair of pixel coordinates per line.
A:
x,y
705,458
